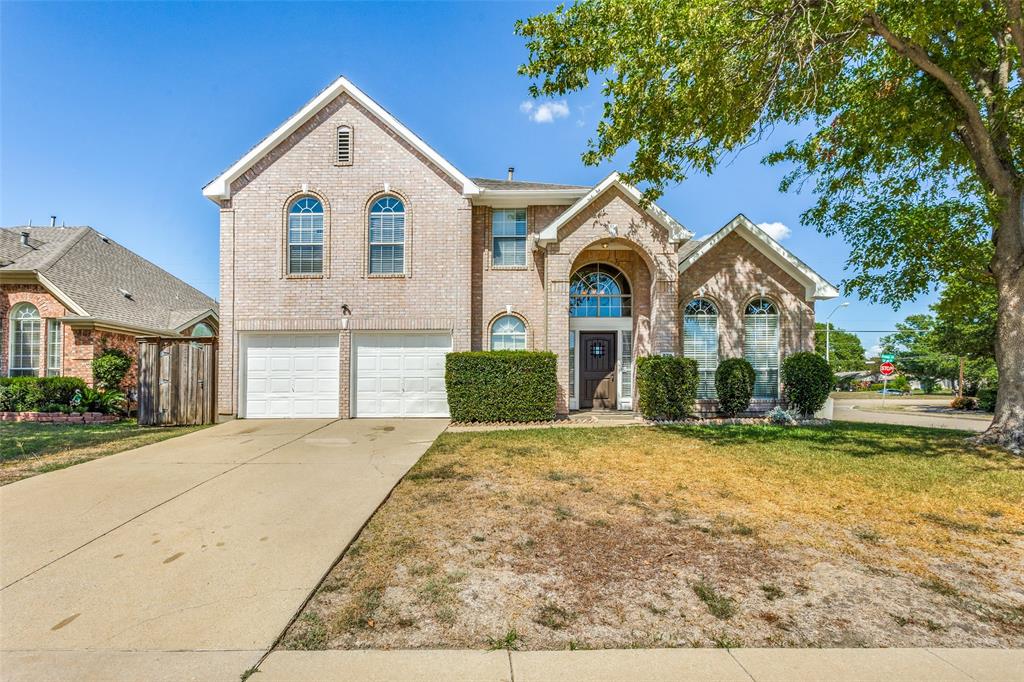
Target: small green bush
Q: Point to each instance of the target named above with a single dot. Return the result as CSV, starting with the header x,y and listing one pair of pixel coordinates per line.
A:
x,y
987,399
110,367
808,380
501,386
734,384
21,394
900,383
60,390
965,403
666,386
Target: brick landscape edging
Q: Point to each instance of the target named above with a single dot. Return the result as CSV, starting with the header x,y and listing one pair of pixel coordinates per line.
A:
x,y
58,417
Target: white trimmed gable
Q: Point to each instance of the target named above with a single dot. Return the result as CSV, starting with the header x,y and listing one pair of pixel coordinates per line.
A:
x,y
818,288
676,231
220,187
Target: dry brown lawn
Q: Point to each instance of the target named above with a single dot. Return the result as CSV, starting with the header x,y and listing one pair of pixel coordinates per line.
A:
x,y
846,535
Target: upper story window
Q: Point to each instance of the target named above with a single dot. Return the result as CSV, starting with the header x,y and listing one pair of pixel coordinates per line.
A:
x,y
25,341
761,346
387,237
343,155
599,290
700,342
306,237
508,333
508,235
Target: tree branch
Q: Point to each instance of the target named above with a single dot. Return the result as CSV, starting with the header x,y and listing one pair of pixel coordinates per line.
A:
x,y
982,146
1013,12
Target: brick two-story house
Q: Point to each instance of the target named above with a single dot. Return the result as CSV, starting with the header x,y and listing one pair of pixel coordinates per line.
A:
x,y
354,256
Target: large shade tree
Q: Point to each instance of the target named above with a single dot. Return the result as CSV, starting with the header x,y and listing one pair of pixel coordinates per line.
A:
x,y
915,155
845,351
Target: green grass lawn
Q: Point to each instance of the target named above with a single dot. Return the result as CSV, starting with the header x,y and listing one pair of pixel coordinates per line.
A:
x,y
842,535
28,448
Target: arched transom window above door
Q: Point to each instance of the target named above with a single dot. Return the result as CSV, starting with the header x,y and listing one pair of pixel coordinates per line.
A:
x,y
599,290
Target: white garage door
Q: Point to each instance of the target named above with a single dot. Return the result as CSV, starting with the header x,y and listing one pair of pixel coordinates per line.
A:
x,y
400,375
291,375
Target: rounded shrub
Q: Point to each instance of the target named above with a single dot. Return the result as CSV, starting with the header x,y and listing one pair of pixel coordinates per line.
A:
x,y
666,386
60,390
110,367
734,384
808,380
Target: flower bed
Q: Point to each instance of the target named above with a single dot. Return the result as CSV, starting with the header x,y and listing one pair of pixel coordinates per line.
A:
x,y
59,417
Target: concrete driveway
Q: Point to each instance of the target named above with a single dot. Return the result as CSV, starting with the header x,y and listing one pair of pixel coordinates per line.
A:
x,y
121,567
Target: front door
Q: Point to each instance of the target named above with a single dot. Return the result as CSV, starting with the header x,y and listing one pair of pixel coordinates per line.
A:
x,y
597,370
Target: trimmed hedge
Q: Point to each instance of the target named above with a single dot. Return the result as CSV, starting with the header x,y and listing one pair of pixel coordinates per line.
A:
x,y
734,385
44,394
808,380
110,368
666,386
501,386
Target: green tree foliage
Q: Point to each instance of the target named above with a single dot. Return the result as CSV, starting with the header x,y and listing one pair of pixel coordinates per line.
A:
x,y
923,352
847,352
914,110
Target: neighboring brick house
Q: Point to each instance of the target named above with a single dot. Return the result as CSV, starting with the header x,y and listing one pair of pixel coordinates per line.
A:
x,y
66,293
354,256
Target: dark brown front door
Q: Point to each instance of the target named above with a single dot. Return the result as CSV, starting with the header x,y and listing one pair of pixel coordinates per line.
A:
x,y
597,369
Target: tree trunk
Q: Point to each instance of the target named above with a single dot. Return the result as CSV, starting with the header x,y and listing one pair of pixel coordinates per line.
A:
x,y
1007,427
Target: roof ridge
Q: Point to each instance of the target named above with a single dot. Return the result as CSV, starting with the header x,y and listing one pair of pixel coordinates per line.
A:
x,y
67,246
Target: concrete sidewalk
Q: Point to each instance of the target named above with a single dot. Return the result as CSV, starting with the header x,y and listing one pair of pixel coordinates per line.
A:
x,y
647,665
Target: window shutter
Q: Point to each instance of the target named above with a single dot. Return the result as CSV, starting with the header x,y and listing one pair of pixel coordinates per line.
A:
x,y
344,146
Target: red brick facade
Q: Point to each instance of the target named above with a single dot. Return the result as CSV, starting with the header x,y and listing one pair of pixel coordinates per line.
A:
x,y
80,346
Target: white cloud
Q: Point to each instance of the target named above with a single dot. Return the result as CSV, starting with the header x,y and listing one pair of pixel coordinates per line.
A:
x,y
777,231
874,350
544,112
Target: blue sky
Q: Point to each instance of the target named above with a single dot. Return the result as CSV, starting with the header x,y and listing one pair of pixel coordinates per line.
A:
x,y
115,115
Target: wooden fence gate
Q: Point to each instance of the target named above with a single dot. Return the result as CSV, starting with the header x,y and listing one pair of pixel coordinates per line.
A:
x,y
177,381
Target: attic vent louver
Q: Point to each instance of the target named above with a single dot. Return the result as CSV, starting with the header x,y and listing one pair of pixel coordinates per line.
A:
x,y
344,155
126,294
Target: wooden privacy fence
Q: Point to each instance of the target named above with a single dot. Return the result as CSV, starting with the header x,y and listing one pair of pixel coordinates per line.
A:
x,y
177,381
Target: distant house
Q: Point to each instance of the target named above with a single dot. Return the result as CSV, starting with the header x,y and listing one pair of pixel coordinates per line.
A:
x,y
66,293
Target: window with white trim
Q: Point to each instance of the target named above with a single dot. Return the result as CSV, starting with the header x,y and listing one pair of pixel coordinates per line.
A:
x,y
306,237
508,333
572,363
25,341
387,237
627,364
54,347
700,342
508,237
761,346
343,156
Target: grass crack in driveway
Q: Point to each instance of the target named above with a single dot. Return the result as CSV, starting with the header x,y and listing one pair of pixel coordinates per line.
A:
x,y
844,535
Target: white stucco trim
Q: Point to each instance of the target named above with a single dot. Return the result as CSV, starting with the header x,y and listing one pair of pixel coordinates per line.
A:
x,y
64,299
817,287
518,198
198,318
676,231
220,187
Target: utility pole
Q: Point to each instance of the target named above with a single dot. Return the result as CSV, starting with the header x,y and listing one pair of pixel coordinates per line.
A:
x,y
828,330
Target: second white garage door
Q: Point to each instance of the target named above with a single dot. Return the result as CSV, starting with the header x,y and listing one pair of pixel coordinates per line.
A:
x,y
400,375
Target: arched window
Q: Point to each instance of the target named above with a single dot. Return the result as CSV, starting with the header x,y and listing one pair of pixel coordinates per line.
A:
x,y
202,330
761,346
387,237
700,342
599,290
508,333
25,340
306,237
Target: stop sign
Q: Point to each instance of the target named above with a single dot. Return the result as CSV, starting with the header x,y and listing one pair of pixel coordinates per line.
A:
x,y
887,368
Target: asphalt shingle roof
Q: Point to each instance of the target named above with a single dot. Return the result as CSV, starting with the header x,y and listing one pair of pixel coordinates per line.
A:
x,y
488,183
94,271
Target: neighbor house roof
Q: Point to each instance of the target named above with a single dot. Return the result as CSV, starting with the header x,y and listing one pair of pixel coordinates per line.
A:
x,y
102,282
817,286
220,187
675,229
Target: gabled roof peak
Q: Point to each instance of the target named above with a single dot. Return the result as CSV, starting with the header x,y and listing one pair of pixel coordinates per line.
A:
x,y
220,187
